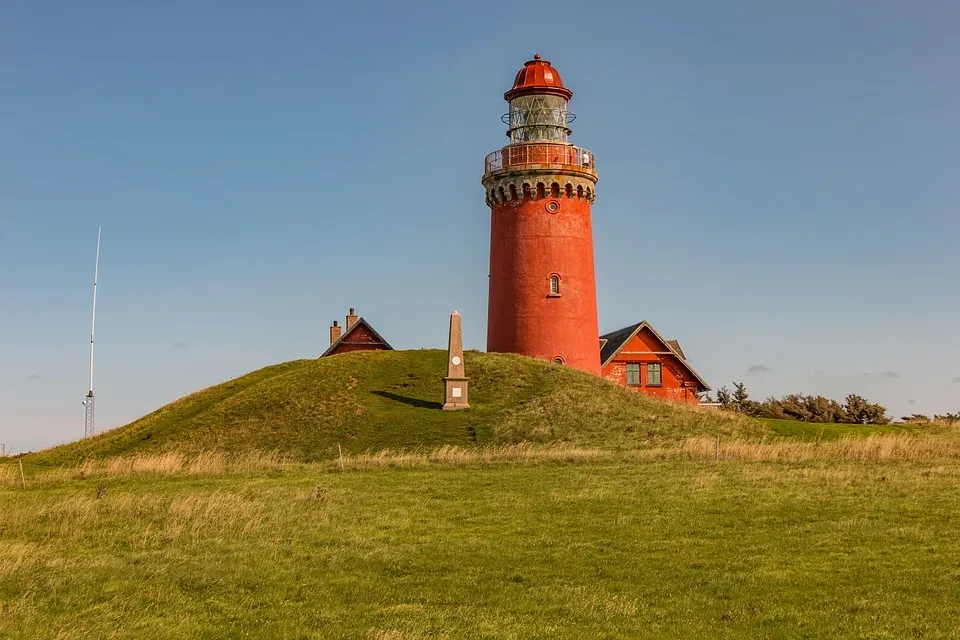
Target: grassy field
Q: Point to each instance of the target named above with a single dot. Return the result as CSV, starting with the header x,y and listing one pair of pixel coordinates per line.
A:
x,y
391,399
559,506
790,540
831,431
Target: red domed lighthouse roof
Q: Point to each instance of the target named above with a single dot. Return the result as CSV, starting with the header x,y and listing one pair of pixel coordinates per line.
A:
x,y
537,76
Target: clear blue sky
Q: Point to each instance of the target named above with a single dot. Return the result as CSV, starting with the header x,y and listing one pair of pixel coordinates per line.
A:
x,y
778,187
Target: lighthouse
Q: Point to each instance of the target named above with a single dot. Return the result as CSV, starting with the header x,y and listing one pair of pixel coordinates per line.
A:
x,y
539,187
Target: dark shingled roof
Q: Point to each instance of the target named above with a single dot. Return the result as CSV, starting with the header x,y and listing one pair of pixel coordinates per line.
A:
x,y
675,347
343,337
613,342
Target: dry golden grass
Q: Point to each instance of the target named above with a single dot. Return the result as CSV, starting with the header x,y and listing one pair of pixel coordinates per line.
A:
x,y
210,463
9,473
595,600
880,448
450,455
155,520
19,556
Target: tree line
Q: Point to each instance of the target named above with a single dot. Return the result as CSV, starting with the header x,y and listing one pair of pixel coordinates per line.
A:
x,y
854,409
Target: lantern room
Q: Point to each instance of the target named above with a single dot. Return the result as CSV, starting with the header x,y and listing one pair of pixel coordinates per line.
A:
x,y
538,105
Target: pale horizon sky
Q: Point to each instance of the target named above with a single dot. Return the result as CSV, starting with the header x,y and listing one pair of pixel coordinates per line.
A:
x,y
777,187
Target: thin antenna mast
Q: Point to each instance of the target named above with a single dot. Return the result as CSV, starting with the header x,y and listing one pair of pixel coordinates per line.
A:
x,y
88,428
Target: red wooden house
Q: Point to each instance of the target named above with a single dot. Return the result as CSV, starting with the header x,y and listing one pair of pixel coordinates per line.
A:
x,y
638,358
356,335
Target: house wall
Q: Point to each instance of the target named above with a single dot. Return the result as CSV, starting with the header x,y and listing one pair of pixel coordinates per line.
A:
x,y
360,339
677,384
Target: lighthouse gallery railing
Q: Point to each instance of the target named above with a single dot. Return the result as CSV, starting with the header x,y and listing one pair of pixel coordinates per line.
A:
x,y
539,153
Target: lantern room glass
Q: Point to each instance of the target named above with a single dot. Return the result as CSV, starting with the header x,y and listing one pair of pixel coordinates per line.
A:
x,y
538,118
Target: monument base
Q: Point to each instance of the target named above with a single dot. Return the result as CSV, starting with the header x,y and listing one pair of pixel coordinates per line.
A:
x,y
456,394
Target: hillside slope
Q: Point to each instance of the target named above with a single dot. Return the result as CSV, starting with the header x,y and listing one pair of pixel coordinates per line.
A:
x,y
391,399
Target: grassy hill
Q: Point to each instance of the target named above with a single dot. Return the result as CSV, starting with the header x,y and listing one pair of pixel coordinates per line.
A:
x,y
391,399
642,531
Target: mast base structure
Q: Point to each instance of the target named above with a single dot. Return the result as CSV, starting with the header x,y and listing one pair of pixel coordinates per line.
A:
x,y
88,428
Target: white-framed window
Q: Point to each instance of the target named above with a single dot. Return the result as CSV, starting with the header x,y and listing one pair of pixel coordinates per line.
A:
x,y
633,374
554,285
653,375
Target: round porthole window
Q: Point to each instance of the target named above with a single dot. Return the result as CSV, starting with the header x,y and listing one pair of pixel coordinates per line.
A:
x,y
552,206
558,360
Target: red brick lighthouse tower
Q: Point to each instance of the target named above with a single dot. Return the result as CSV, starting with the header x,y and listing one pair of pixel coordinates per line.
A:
x,y
543,298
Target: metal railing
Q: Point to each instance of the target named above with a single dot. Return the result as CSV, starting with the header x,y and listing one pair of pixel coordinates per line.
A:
x,y
539,153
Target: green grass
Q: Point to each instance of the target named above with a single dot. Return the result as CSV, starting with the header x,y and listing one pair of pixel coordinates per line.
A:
x,y
614,549
831,431
390,400
625,518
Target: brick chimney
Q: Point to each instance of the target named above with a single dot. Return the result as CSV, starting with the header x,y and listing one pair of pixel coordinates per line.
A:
x,y
351,318
335,331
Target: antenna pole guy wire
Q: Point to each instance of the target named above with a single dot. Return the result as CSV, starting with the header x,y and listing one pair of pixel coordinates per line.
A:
x,y
88,429
93,321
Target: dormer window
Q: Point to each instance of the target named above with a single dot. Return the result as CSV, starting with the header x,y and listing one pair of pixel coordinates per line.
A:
x,y
554,286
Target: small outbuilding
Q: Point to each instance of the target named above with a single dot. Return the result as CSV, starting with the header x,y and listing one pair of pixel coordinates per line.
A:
x,y
355,335
638,358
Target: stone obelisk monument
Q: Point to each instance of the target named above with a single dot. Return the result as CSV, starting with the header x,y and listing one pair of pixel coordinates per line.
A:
x,y
455,382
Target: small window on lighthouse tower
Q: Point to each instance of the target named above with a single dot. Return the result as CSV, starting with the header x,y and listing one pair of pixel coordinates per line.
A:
x,y
554,285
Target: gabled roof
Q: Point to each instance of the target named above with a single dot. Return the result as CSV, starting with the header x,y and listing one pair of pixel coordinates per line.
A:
x,y
675,346
343,339
615,341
